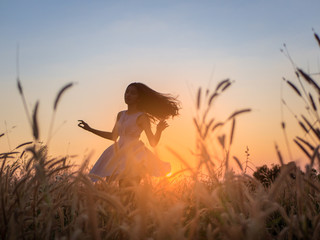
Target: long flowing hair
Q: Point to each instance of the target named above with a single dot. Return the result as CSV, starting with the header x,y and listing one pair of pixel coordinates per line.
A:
x,y
157,105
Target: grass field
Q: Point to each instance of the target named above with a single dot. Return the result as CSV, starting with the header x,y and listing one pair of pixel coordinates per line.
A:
x,y
49,198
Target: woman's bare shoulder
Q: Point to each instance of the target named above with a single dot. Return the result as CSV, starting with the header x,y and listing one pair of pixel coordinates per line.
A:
x,y
120,114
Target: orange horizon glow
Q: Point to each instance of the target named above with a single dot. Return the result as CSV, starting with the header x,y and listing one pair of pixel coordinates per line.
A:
x,y
175,48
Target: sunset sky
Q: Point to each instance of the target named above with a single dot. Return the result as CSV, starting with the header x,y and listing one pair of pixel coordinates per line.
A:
x,y
172,46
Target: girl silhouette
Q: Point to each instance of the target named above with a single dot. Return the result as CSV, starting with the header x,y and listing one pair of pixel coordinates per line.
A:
x,y
128,158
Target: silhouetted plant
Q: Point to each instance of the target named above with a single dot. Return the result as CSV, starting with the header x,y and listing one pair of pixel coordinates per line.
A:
x,y
266,175
309,92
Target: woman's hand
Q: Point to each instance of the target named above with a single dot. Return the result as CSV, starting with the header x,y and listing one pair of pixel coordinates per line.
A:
x,y
162,125
84,125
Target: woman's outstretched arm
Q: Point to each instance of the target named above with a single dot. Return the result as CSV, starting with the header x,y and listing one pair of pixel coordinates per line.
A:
x,y
144,123
108,135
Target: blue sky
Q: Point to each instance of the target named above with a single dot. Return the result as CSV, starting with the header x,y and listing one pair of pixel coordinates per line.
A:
x,y
173,46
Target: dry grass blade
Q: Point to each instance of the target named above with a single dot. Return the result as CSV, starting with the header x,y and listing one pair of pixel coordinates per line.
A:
x,y
13,170
207,128
7,154
226,81
112,200
238,162
312,102
33,151
2,134
29,164
35,127
279,154
306,143
211,98
317,38
92,216
294,87
204,116
221,140
226,86
311,184
309,79
232,130
19,86
219,124
311,127
314,155
199,98
2,165
197,126
23,144
57,162
303,127
20,182
60,94
302,148
23,100
55,108
239,112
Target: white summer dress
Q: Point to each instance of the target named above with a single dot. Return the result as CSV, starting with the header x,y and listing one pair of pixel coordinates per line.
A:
x,y
129,157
